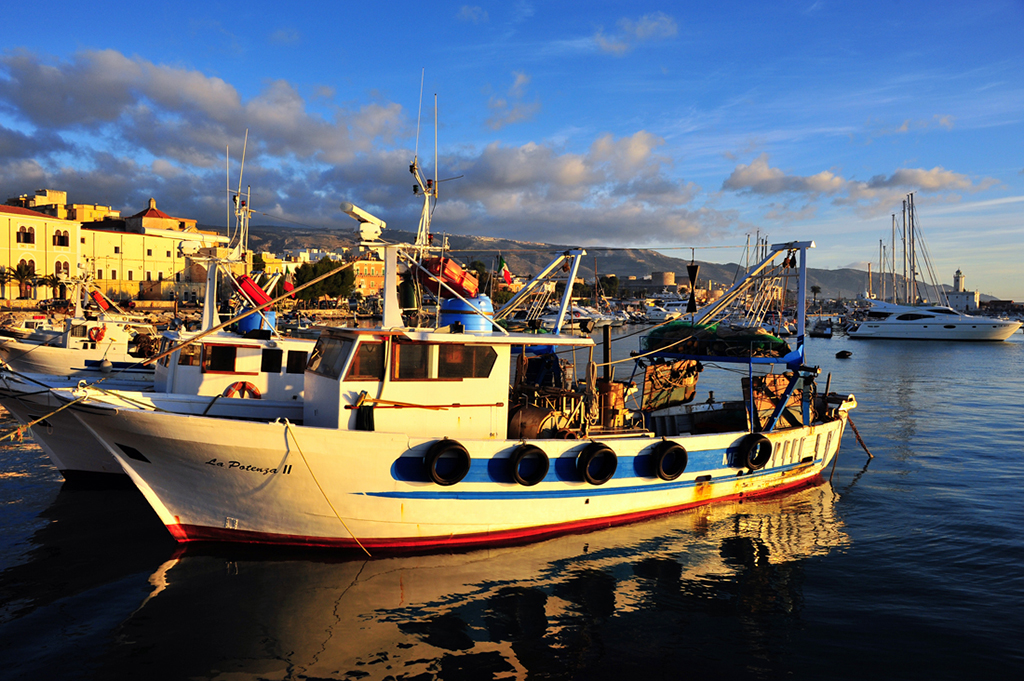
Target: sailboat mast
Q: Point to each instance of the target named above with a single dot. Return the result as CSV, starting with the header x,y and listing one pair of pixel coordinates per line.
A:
x,y
881,268
892,271
913,250
906,282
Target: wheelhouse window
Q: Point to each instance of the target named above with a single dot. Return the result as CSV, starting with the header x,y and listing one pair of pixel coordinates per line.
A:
x,y
296,362
368,364
465,361
329,356
912,316
189,355
219,358
271,361
411,361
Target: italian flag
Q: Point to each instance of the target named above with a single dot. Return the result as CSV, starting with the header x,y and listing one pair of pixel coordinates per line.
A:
x,y
505,274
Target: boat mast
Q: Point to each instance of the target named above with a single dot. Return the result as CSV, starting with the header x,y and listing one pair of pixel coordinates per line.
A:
x,y
903,236
892,271
881,268
913,249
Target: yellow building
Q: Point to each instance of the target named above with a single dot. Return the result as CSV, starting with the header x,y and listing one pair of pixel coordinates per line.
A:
x,y
129,257
45,244
139,256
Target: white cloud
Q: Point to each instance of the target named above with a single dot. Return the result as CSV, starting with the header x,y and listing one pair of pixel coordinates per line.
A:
x,y
649,27
511,109
471,13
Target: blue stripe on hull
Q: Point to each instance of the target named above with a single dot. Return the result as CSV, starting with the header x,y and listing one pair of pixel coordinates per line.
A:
x,y
588,491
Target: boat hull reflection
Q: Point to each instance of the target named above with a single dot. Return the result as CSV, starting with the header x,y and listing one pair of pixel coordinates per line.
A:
x,y
514,612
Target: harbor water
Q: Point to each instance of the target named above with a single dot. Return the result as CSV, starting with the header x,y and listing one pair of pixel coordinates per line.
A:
x,y
905,566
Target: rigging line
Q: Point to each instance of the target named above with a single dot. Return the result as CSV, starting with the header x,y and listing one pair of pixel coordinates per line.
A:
x,y
554,248
22,429
288,431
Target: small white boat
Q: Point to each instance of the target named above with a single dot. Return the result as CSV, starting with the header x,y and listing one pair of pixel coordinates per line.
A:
x,y
412,439
657,314
90,348
821,329
35,329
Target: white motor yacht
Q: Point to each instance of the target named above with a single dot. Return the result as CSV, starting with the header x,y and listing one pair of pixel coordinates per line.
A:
x,y
928,322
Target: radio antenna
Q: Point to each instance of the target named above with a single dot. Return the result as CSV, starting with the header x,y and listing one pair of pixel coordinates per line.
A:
x,y
435,147
419,115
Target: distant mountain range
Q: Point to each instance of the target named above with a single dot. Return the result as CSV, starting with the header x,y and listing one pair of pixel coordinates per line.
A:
x,y
526,258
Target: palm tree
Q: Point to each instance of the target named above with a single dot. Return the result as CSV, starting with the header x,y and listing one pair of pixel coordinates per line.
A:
x,y
51,281
25,275
5,278
815,290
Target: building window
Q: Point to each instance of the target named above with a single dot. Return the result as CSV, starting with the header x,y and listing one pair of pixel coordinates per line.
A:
x,y
159,276
83,239
117,249
130,275
26,235
149,276
113,274
177,276
67,269
168,254
149,251
99,274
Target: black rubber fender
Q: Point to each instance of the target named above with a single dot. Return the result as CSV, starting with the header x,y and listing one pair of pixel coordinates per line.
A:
x,y
456,466
605,467
523,452
669,459
754,452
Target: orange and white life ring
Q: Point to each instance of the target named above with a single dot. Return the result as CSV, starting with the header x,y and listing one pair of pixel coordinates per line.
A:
x,y
97,333
242,389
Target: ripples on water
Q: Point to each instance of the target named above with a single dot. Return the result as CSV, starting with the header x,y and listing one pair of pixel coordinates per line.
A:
x,y
907,567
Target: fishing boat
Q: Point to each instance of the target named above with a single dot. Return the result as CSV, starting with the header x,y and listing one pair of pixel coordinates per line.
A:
x,y
413,439
246,374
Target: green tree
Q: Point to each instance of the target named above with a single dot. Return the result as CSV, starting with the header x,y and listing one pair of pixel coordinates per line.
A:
x,y
335,287
815,290
479,269
610,286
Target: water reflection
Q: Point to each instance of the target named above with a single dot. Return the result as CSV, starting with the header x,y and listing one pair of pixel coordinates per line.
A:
x,y
578,605
85,539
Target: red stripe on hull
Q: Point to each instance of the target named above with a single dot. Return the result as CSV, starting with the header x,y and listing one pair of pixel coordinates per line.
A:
x,y
184,533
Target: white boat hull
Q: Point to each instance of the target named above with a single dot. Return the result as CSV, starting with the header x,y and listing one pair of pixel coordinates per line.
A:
x,y
32,358
278,483
78,455
963,329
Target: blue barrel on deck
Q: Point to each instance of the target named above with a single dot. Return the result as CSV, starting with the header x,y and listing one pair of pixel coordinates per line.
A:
x,y
255,321
455,310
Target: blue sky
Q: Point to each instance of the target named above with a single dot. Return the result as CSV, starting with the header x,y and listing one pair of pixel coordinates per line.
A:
x,y
652,124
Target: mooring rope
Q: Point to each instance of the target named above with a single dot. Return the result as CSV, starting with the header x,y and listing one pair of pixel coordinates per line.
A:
x,y
288,431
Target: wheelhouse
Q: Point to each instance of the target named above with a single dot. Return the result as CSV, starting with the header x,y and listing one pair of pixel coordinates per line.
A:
x,y
435,383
